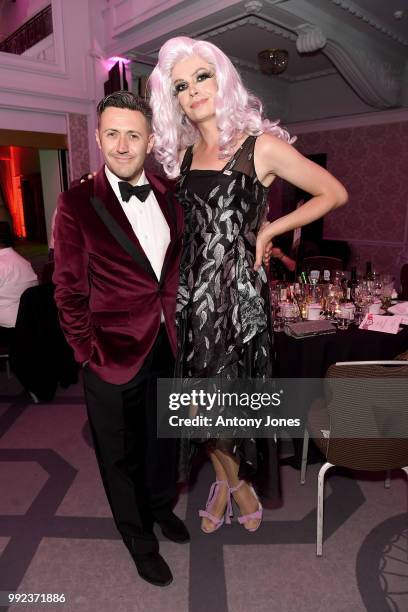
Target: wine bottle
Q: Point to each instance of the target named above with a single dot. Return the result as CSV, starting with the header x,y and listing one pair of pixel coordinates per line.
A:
x,y
348,290
353,282
326,276
369,271
303,278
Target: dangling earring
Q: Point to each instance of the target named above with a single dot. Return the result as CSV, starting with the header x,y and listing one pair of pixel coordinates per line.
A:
x,y
184,120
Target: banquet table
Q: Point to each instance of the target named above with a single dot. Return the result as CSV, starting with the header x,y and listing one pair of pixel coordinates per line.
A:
x,y
310,357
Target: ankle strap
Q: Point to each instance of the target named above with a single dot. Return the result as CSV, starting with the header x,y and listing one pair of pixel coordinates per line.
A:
x,y
229,512
213,489
239,485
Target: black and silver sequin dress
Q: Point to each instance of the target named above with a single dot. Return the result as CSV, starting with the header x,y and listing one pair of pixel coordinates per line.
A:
x,y
222,305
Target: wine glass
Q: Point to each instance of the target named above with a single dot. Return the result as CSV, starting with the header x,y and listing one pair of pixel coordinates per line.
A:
x,y
386,291
275,308
299,295
362,297
377,285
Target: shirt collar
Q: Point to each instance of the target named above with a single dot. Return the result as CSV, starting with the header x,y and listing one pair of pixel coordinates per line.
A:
x,y
115,180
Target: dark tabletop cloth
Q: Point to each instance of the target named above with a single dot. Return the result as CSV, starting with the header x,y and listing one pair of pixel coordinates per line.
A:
x,y
310,357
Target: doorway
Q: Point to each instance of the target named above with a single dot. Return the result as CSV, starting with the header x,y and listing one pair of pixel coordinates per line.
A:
x,y
33,172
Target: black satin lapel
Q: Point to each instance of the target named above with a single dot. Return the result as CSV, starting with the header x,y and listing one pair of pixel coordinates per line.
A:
x,y
137,254
104,191
106,194
113,205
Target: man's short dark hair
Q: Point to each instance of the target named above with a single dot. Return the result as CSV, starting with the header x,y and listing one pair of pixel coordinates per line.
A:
x,y
125,99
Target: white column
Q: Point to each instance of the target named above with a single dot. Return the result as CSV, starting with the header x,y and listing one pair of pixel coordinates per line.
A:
x,y
51,184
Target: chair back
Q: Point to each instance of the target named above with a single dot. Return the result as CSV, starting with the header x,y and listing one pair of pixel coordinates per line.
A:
x,y
404,282
41,357
47,272
321,262
368,414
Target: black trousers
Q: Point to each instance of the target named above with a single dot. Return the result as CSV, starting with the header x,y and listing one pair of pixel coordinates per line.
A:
x,y
138,470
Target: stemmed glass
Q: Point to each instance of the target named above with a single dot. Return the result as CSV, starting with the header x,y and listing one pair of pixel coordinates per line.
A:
x,y
362,298
334,294
377,289
386,292
299,296
275,308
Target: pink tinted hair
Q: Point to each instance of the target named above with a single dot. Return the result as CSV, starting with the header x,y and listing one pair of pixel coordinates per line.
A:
x,y
237,110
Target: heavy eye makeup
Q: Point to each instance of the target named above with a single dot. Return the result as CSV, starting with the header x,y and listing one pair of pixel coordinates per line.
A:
x,y
200,77
179,87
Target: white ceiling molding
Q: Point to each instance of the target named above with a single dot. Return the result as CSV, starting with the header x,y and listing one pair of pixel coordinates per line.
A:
x,y
273,2
364,52
312,75
244,64
310,38
360,13
368,64
253,6
29,100
143,58
252,20
372,78
161,21
125,14
283,77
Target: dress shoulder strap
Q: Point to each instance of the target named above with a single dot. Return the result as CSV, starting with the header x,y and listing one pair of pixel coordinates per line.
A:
x,y
243,160
186,163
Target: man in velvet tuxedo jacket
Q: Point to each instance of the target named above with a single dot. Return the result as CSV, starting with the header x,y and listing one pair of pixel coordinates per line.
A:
x,y
117,247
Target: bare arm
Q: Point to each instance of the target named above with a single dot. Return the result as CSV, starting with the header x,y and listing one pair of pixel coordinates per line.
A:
x,y
274,157
288,262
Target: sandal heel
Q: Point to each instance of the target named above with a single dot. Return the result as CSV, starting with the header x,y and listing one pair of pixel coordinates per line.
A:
x,y
253,516
217,522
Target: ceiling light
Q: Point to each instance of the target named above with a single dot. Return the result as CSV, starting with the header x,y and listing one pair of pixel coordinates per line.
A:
x,y
273,61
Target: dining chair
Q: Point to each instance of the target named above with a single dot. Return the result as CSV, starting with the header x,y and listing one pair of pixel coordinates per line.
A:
x,y
358,425
40,356
322,262
4,354
404,282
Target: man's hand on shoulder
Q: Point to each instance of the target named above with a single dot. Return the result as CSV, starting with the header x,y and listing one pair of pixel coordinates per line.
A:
x,y
87,177
84,178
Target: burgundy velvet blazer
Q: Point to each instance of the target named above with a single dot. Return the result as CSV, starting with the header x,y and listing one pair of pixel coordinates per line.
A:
x,y
109,304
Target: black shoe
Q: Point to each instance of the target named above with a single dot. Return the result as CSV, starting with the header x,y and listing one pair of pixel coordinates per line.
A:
x,y
173,528
153,568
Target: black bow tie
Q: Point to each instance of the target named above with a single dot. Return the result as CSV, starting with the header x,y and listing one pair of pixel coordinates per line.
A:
x,y
127,190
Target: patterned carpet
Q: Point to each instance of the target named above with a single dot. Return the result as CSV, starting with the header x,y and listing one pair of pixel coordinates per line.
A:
x,y
57,534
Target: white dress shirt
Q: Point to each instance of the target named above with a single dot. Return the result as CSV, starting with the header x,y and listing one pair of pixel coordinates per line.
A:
x,y
16,275
147,221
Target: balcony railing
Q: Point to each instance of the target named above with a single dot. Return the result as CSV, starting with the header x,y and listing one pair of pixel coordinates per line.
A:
x,y
30,33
